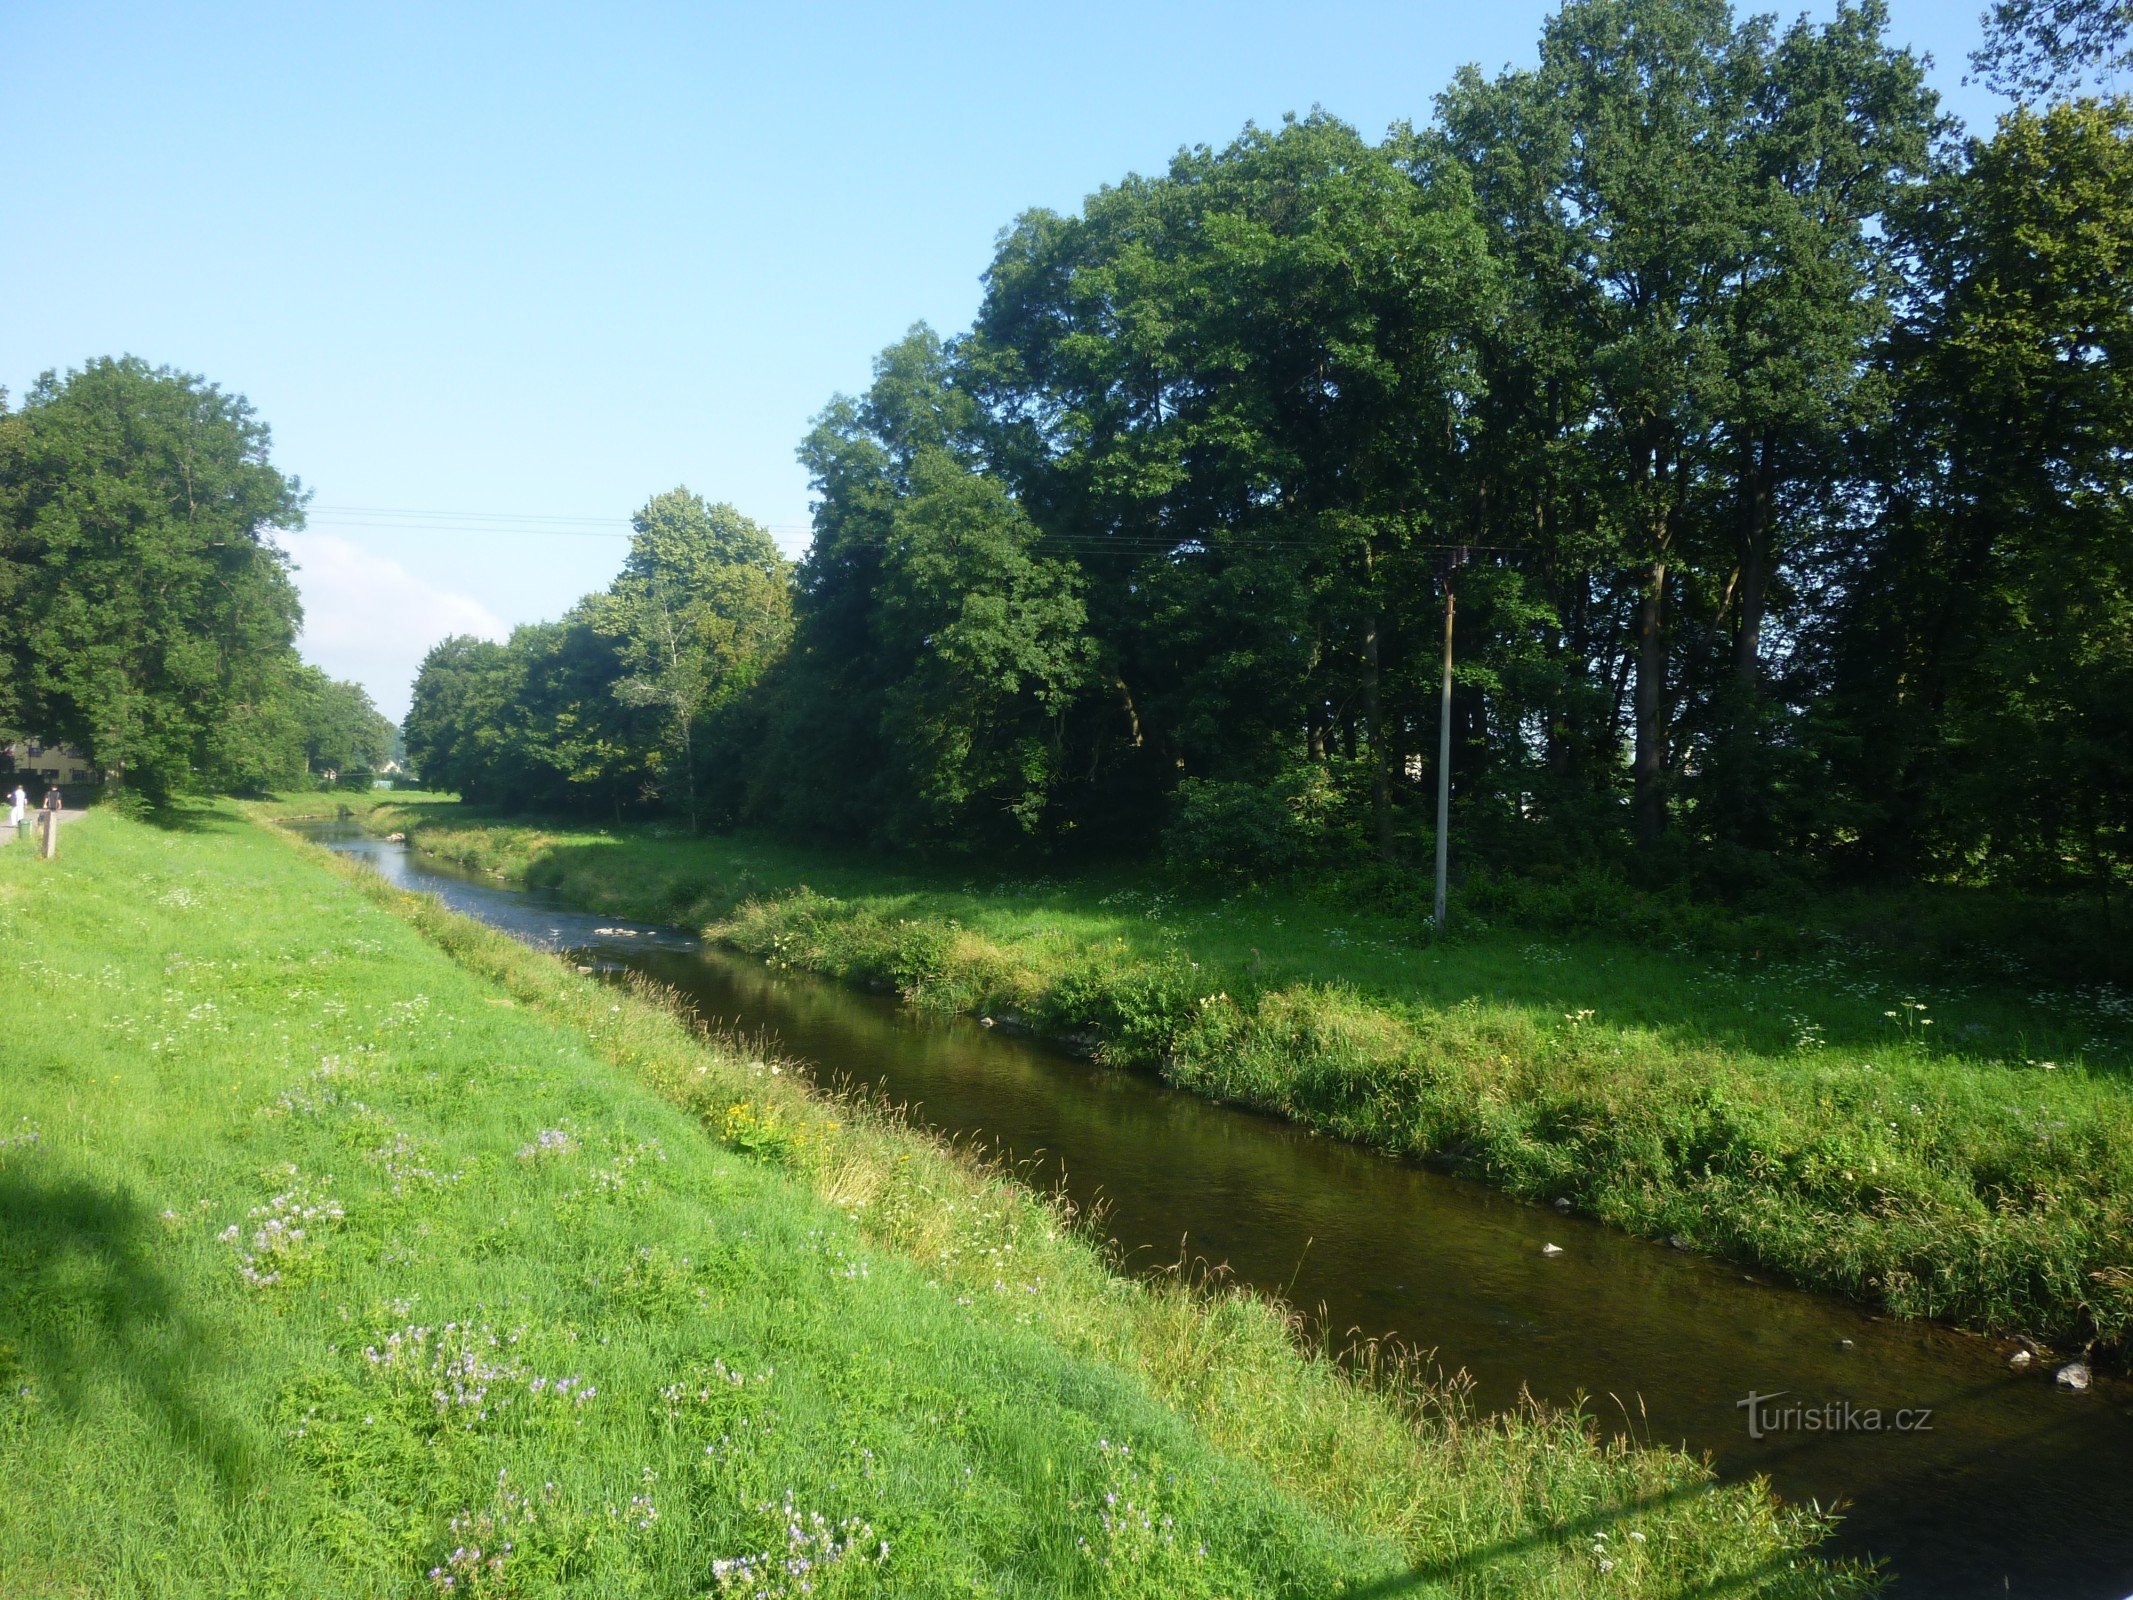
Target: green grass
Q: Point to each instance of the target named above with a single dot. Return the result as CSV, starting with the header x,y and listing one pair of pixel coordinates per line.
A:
x,y
339,1234
1941,1147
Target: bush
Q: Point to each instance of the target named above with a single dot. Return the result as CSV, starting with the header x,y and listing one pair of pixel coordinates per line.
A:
x,y
1243,831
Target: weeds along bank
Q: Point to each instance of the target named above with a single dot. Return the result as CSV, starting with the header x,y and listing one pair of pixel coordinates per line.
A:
x,y
1950,1150
351,1249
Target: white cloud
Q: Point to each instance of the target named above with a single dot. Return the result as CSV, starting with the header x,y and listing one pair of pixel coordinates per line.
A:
x,y
371,620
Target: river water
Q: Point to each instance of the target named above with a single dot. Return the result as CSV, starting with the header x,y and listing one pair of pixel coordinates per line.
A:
x,y
2006,1486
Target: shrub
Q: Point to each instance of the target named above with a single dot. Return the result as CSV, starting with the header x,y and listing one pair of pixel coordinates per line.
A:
x,y
1244,831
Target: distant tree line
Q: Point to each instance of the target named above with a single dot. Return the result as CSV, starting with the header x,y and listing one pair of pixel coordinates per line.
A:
x,y
635,699
146,616
1772,440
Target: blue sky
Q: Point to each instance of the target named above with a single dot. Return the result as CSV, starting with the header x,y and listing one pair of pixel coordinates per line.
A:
x,y
533,263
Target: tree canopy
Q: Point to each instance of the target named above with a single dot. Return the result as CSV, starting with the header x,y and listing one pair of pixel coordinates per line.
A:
x,y
150,616
1772,438
2037,49
343,733
615,707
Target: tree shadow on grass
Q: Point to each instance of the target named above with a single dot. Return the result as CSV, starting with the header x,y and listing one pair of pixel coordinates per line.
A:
x,y
88,1320
169,815
1695,1002
450,813
1775,1575
1805,1572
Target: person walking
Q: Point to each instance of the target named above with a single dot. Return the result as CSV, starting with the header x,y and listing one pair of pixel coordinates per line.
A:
x,y
53,801
18,807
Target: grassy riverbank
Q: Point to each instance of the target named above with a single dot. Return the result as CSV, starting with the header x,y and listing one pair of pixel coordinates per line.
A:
x,y
344,1239
1944,1148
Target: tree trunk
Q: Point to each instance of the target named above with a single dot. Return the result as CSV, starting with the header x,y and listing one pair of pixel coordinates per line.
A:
x,y
688,767
1648,768
1754,542
1380,763
1321,715
1373,716
1133,715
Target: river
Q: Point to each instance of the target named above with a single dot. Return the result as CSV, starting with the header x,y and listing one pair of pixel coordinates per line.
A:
x,y
1979,1480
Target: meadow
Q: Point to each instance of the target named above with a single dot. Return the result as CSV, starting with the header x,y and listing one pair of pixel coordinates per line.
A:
x,y
1926,1138
348,1248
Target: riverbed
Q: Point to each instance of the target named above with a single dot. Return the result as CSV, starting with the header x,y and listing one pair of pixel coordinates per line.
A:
x,y
1968,1477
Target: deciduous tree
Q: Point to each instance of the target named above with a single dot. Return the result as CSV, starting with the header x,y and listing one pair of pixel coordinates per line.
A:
x,y
150,614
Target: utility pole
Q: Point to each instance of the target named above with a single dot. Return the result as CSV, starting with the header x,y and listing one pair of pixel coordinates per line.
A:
x,y
1444,743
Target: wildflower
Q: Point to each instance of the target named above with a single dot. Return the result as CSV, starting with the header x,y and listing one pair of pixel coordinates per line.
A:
x,y
548,1142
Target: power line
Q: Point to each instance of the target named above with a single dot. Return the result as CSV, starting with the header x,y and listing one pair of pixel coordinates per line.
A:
x,y
402,519
483,516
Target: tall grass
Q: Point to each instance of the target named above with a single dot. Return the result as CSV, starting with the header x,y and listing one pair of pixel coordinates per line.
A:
x,y
351,1249
1936,1146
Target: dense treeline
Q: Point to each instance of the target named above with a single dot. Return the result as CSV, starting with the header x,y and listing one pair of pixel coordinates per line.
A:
x,y
150,618
636,697
1770,440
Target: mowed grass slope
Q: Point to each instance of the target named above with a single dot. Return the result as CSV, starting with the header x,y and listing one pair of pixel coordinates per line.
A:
x,y
1938,1146
348,1249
